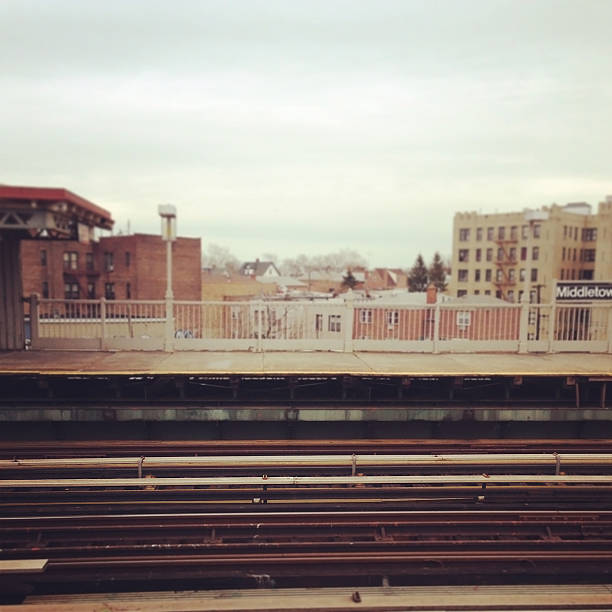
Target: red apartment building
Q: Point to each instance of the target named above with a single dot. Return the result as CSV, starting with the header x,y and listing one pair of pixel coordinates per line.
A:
x,y
114,267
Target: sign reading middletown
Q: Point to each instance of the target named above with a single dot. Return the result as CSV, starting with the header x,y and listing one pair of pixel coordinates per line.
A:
x,y
589,290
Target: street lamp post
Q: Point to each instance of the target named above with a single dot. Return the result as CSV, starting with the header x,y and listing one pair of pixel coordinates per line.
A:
x,y
167,212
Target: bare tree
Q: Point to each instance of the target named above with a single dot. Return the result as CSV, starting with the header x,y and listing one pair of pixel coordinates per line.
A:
x,y
219,257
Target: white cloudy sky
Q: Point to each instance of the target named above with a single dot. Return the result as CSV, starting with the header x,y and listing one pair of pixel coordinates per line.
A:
x,y
305,127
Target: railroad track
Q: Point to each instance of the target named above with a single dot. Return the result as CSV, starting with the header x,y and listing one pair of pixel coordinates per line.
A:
x,y
271,520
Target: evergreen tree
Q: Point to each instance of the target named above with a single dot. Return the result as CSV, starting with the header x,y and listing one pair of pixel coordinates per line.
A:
x,y
417,275
349,280
437,272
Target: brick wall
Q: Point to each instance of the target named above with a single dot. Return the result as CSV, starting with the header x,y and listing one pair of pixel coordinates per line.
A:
x,y
138,260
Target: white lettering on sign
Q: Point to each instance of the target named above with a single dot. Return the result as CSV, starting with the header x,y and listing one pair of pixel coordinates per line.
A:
x,y
584,291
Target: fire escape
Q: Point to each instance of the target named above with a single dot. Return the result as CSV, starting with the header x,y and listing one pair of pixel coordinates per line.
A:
x,y
82,275
505,261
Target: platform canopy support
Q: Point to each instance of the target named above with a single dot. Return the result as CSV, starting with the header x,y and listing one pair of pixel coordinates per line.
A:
x,y
11,305
35,213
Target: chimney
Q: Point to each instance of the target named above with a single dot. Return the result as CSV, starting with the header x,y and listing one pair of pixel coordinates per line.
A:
x,y
432,294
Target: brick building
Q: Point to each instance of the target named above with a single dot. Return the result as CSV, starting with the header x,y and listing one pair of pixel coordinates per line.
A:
x,y
505,254
115,267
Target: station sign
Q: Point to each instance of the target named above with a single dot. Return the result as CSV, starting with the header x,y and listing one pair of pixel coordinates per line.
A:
x,y
583,290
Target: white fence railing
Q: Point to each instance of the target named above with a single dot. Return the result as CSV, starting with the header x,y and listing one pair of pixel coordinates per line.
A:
x,y
327,326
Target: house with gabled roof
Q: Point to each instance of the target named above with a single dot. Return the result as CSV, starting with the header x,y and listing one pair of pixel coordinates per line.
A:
x,y
259,268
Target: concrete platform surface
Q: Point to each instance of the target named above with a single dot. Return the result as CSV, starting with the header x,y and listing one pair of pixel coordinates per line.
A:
x,y
288,363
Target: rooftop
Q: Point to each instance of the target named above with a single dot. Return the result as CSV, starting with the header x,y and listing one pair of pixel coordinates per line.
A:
x,y
55,199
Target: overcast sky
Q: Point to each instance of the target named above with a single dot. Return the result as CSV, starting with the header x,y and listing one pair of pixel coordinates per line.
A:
x,y
308,126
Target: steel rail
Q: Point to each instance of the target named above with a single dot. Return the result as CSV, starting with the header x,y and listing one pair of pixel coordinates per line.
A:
x,y
264,480
314,558
354,461
333,517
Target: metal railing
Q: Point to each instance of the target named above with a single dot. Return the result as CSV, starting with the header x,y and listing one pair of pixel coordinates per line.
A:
x,y
347,326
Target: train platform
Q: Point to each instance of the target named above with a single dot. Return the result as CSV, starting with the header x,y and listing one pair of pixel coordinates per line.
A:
x,y
221,390
133,363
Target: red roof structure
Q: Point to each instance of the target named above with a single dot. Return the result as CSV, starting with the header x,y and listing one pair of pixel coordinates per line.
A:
x,y
56,200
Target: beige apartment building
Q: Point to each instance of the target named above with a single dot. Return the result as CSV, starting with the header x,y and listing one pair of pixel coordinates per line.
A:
x,y
505,254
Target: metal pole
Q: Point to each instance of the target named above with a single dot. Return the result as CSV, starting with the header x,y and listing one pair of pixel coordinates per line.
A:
x,y
169,294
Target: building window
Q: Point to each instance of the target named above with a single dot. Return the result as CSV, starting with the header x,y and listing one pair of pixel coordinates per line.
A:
x,y
498,294
501,233
512,253
71,260
365,316
392,317
490,233
43,257
109,261
524,232
499,275
537,230
563,254
334,323
464,318
477,276
589,254
476,291
489,254
487,292
535,253
514,232
128,291
128,259
511,275
109,291
479,234
500,254
589,234
575,233
523,253
464,235
89,262
91,291
71,291
587,275
488,276
462,275
522,274
574,255
45,289
478,254
534,275
532,299
511,295
464,254
318,322
562,274
461,292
